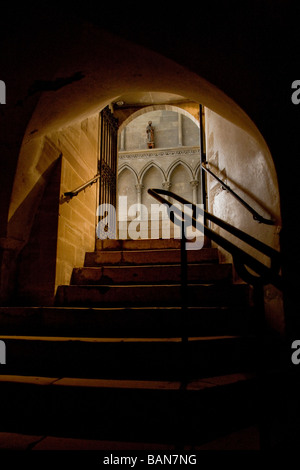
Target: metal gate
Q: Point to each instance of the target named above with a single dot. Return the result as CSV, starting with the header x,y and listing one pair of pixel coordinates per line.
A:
x,y
107,168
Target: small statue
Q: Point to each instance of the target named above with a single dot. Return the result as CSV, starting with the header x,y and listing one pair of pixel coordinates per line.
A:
x,y
150,135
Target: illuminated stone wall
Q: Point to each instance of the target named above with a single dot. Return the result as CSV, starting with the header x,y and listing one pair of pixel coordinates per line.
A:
x,y
173,163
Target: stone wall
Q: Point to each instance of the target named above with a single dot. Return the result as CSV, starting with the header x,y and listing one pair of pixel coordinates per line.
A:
x,y
77,216
175,169
37,261
239,160
52,232
33,220
172,164
171,129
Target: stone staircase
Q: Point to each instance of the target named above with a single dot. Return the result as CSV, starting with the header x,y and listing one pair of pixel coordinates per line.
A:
x,y
108,361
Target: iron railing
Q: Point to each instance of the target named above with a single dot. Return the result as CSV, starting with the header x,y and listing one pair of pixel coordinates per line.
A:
x,y
70,194
242,260
256,215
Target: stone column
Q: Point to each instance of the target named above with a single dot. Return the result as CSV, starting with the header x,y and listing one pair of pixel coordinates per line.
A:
x,y
122,140
167,185
194,184
139,188
179,129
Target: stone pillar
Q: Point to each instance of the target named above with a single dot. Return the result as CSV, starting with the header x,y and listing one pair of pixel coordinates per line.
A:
x,y
139,188
167,185
194,184
179,129
122,140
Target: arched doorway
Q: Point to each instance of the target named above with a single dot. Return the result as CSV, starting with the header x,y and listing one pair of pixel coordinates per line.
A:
x,y
64,130
174,154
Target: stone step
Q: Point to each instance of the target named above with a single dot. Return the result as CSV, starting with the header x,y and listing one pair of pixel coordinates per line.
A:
x,y
241,439
142,257
120,321
139,358
141,244
128,411
151,274
217,295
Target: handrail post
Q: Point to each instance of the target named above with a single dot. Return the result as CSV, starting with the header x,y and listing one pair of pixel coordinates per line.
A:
x,y
255,214
262,275
202,160
184,302
243,259
70,194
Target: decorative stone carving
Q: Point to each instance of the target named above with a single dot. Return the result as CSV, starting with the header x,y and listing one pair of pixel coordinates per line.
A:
x,y
150,135
167,185
194,184
179,152
139,187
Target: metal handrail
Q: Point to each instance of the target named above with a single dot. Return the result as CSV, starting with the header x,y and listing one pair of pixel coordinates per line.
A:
x,y
75,192
241,258
256,215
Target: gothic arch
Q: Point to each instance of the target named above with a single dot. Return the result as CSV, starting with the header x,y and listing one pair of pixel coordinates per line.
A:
x,y
196,172
125,166
147,167
175,165
166,107
51,121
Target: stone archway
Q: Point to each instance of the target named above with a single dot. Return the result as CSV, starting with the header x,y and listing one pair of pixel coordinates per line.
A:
x,y
168,107
176,140
64,128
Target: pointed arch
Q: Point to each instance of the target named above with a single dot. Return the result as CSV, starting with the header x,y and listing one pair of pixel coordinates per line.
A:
x,y
157,107
147,168
125,166
196,172
177,163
